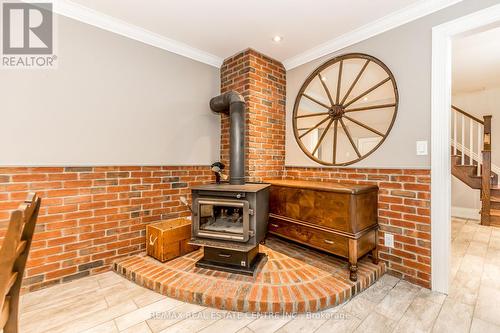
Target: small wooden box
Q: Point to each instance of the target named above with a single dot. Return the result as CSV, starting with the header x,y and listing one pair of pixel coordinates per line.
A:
x,y
169,239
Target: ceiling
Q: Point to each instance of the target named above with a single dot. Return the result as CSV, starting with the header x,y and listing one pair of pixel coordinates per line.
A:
x,y
211,31
476,61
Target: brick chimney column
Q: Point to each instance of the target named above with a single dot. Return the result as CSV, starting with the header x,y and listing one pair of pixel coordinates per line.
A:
x,y
262,82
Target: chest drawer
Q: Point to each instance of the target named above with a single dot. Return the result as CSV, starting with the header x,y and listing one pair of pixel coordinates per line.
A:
x,y
317,238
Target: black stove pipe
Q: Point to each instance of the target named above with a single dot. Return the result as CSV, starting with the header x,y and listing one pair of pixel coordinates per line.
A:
x,y
233,104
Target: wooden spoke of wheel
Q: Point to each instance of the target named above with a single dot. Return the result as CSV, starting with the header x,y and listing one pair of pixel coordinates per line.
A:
x,y
368,91
335,125
363,125
381,106
346,130
326,88
322,136
339,82
316,101
354,82
312,115
314,127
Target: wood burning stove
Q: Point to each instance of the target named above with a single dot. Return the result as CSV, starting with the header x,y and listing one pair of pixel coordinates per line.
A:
x,y
230,219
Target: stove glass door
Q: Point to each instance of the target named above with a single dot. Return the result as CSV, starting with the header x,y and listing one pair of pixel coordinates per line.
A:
x,y
222,219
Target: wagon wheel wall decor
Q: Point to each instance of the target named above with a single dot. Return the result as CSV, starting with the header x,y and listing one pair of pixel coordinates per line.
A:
x,y
345,109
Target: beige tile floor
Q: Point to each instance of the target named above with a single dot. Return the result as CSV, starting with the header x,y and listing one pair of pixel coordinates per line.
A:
x,y
109,303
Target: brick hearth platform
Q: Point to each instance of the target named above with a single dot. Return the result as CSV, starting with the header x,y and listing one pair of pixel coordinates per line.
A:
x,y
294,280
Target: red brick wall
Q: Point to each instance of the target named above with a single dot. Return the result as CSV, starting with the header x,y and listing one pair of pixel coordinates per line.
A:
x,y
404,210
92,215
262,82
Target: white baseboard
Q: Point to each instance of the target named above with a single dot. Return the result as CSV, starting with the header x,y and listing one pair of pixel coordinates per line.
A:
x,y
465,213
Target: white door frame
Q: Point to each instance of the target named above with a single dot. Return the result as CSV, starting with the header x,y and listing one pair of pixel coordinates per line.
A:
x,y
440,137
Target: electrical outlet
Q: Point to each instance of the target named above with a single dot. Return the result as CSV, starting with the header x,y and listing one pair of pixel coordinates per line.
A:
x,y
389,240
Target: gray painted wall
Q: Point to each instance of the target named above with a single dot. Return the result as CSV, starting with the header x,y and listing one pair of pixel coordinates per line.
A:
x,y
111,101
406,50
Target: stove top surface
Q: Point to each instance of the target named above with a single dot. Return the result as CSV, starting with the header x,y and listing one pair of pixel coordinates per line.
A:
x,y
226,187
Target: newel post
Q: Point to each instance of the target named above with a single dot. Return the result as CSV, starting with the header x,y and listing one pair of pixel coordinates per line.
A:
x,y
486,177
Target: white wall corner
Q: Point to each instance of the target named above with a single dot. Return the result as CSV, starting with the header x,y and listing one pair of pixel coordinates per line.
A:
x,y
440,160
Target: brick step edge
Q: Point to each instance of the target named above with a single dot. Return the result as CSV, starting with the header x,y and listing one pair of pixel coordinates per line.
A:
x,y
136,268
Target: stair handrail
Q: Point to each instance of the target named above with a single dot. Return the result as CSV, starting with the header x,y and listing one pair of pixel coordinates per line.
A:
x,y
467,115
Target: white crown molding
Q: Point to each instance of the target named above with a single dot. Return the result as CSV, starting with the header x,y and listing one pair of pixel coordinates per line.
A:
x,y
388,22
95,18
109,23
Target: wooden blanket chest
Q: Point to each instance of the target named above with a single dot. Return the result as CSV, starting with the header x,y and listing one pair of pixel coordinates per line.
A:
x,y
337,218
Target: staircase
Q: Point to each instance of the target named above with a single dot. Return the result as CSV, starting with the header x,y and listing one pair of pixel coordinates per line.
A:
x,y
471,161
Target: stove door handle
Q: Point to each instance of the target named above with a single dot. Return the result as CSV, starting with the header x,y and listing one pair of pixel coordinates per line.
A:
x,y
224,255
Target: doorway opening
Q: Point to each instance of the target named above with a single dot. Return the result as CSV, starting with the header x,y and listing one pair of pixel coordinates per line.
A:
x,y
446,134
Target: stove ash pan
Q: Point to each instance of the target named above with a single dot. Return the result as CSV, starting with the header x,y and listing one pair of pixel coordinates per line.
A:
x,y
230,216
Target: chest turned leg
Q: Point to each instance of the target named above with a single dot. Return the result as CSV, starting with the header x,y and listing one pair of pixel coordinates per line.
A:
x,y
353,260
375,250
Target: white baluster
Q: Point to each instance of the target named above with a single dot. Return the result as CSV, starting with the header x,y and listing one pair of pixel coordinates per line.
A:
x,y
478,149
455,119
462,139
471,149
